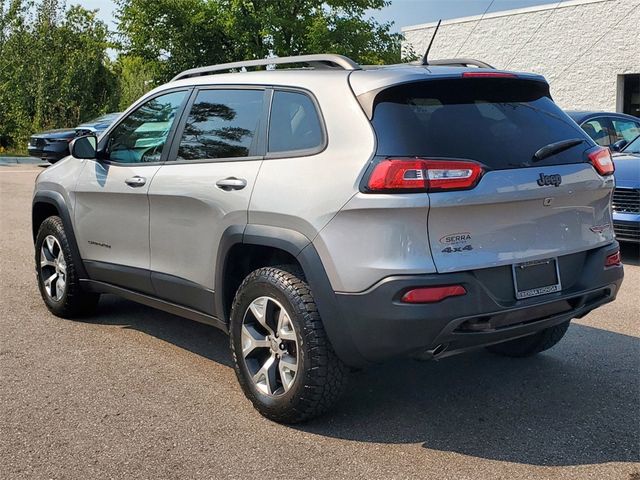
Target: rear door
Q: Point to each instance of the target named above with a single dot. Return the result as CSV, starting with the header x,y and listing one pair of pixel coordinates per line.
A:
x,y
203,189
523,208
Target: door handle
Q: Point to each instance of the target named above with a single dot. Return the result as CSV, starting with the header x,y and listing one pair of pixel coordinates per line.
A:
x,y
135,181
231,183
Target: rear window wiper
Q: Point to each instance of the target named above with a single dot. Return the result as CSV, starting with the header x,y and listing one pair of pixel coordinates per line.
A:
x,y
556,147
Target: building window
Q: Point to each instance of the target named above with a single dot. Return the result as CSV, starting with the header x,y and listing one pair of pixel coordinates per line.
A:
x,y
631,94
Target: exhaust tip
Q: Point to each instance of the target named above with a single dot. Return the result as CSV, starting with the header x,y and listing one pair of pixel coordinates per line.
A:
x,y
431,354
439,349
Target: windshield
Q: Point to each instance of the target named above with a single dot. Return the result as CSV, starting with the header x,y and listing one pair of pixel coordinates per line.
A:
x,y
634,146
501,123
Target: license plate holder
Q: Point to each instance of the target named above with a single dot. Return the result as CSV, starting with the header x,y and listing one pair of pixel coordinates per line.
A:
x,y
538,277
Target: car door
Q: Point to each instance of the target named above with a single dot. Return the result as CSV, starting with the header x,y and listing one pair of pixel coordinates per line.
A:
x,y
203,189
112,208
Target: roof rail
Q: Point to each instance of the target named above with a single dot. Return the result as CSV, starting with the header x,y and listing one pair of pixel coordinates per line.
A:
x,y
316,61
461,62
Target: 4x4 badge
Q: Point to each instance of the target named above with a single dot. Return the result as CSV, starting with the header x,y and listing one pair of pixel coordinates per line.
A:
x,y
554,180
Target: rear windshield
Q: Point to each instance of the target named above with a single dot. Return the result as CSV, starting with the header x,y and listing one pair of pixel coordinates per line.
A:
x,y
501,123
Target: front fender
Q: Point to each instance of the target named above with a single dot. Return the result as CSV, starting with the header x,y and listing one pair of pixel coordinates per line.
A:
x,y
55,199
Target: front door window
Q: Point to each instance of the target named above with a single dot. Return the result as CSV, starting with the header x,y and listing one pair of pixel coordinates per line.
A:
x,y
626,129
141,137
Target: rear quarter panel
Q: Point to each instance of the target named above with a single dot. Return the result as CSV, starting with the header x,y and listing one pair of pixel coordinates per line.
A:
x,y
304,193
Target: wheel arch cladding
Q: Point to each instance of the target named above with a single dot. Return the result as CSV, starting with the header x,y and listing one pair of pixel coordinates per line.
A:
x,y
297,247
49,203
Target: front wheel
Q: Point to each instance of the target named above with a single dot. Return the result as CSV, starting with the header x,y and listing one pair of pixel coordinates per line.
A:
x,y
283,359
57,276
531,344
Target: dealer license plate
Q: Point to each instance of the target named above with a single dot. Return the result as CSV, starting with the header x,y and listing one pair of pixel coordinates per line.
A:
x,y
535,278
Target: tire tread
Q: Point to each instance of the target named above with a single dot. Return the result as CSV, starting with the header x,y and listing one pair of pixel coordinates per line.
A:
x,y
76,302
327,375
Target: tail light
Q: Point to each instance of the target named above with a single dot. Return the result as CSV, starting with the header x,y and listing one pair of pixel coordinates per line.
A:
x,y
432,294
600,158
613,259
423,175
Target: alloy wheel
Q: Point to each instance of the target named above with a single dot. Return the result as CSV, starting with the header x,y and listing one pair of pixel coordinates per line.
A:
x,y
53,268
269,346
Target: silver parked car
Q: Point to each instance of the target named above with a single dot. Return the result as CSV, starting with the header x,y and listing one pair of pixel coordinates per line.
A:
x,y
335,216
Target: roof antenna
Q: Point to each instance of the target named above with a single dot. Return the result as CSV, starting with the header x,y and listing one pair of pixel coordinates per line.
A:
x,y
425,59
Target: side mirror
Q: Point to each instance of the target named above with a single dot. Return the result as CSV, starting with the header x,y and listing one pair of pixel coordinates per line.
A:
x,y
619,145
84,147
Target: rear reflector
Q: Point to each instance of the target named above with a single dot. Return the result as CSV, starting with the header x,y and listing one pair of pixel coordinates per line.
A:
x,y
488,75
422,175
432,294
613,259
600,158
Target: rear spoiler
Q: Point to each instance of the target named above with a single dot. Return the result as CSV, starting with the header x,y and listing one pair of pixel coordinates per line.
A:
x,y
367,99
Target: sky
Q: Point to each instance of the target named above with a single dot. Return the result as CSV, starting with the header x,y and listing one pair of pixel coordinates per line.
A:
x,y
402,12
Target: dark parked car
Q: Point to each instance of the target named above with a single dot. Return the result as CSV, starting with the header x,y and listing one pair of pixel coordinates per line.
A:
x,y
608,129
626,196
53,145
97,125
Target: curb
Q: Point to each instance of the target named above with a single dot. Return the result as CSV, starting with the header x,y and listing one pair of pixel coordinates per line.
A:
x,y
20,161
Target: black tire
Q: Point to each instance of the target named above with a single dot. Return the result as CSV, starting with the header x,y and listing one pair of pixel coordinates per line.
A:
x,y
73,301
321,377
531,344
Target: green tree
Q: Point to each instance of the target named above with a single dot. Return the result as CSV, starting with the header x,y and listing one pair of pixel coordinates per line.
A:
x,y
178,34
136,76
296,27
54,71
14,36
172,35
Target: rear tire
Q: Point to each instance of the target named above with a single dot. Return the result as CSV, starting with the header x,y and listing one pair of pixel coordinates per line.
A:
x,y
531,344
283,359
57,276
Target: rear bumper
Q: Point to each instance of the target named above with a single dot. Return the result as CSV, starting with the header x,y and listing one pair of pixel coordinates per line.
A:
x,y
378,326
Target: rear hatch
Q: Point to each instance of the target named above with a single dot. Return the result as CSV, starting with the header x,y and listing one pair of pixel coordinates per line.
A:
x,y
522,206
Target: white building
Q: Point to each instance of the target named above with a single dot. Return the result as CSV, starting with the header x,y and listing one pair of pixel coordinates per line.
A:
x,y
589,50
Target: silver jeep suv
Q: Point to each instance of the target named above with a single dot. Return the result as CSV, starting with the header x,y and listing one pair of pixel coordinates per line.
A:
x,y
334,216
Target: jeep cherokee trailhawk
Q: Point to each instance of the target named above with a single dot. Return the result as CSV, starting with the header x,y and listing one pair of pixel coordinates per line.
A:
x,y
329,216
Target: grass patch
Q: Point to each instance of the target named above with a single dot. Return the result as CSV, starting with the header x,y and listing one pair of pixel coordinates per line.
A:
x,y
13,152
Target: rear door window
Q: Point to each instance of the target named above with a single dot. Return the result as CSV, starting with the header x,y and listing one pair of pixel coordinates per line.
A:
x,y
294,124
501,123
222,124
600,129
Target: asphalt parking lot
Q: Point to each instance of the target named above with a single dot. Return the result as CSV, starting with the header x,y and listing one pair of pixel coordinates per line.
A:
x,y
138,393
